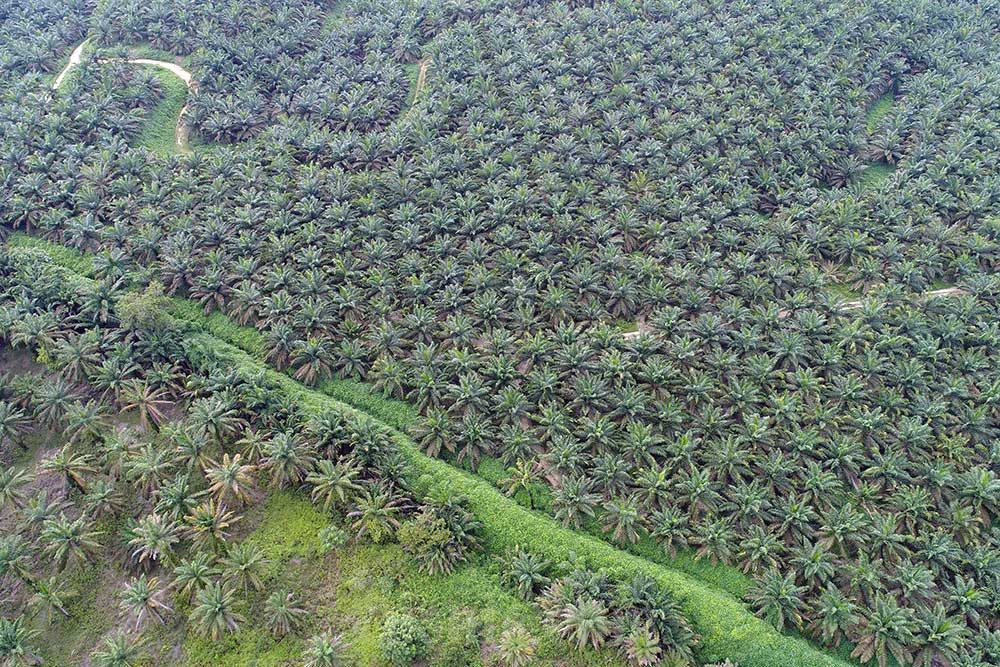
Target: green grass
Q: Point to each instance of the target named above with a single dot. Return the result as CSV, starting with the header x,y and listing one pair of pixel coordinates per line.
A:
x,y
413,76
727,627
844,291
877,111
876,174
626,326
69,258
354,589
334,15
159,129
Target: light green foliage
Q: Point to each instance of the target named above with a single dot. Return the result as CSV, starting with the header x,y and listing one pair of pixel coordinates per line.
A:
x,y
145,310
291,529
403,639
158,131
74,260
879,110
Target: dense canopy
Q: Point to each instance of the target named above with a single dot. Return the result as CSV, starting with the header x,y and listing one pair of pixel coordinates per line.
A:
x,y
718,275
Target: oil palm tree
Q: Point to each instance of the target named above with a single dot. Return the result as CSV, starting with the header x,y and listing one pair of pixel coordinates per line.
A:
x,y
119,650
214,612
153,540
778,599
69,541
283,613
376,514
141,599
333,483
241,567
325,650
231,480
585,622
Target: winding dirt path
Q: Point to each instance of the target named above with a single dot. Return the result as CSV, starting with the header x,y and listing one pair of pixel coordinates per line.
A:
x,y
181,131
933,294
74,60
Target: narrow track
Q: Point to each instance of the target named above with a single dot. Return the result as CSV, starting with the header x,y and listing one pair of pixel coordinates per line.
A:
x,y
181,131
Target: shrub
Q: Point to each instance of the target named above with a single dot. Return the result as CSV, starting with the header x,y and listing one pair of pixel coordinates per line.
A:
x,y
403,640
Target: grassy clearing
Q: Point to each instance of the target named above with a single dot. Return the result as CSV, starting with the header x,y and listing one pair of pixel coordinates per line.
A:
x,y
355,588
877,111
876,174
844,291
334,15
413,77
727,627
159,130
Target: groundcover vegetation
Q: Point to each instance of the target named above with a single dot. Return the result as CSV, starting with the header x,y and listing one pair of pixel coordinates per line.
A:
x,y
696,290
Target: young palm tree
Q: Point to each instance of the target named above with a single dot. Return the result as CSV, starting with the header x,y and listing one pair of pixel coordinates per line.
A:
x,y
217,417
13,425
325,650
887,630
154,537
142,599
376,514
231,480
209,524
523,477
835,616
147,401
525,571
287,458
778,599
333,482
214,613
282,613
119,650
12,483
574,501
16,647
516,647
241,565
49,597
14,558
73,468
69,541
193,575
311,360
585,622
642,646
